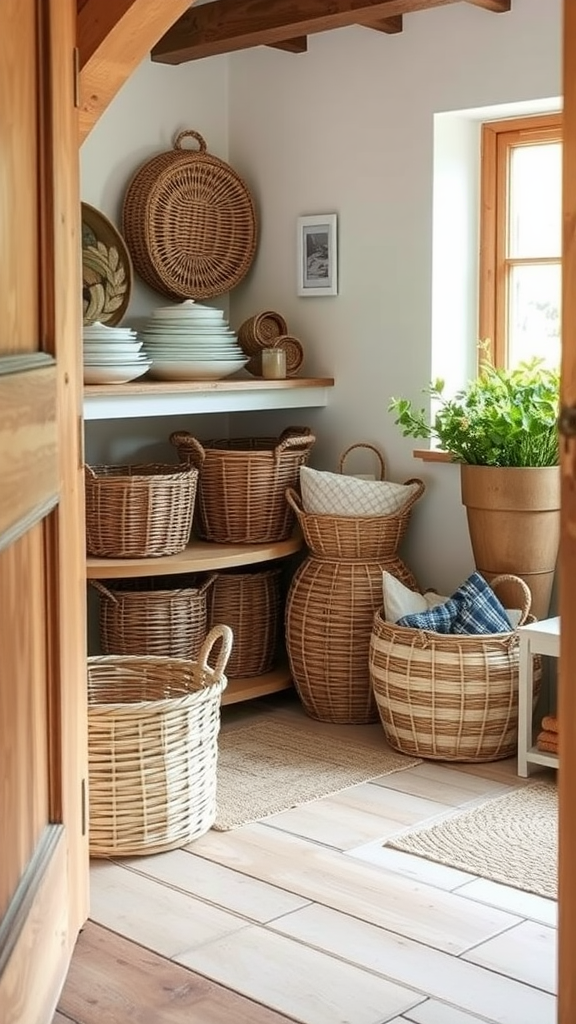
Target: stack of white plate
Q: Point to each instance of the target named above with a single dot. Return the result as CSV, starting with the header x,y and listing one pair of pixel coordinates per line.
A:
x,y
112,355
191,342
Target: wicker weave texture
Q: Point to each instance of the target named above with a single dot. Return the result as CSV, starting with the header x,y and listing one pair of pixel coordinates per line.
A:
x,y
242,484
153,727
362,538
292,349
261,331
250,603
139,511
329,613
447,697
164,617
190,223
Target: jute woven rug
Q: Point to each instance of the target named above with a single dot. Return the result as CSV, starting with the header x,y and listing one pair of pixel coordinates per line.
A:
x,y
280,761
511,839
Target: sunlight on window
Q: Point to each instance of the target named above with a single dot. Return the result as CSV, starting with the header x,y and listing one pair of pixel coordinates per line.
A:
x,y
534,247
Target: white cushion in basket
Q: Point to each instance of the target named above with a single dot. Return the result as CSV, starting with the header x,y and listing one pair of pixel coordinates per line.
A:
x,y
399,600
335,494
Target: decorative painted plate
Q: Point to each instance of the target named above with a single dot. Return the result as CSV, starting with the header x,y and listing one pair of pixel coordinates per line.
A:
x,y
106,269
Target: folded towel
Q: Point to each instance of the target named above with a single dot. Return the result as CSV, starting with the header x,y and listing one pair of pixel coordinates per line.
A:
x,y
547,741
550,723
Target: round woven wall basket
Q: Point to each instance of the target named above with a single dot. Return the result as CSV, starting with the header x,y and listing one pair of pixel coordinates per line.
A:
x,y
189,222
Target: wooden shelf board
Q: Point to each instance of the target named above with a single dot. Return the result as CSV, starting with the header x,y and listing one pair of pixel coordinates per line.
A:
x,y
198,556
155,398
257,686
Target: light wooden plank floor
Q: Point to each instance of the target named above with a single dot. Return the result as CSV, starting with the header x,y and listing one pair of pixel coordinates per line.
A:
x,y
306,917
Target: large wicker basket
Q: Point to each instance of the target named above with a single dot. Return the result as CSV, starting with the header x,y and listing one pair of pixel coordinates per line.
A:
x,y
331,604
190,223
242,484
153,727
250,603
449,697
139,511
160,616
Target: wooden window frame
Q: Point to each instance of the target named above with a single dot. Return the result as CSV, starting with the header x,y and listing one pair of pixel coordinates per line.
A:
x,y
498,139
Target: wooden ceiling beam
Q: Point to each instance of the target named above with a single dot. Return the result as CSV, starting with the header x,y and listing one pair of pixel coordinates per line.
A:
x,y
226,26
114,36
297,45
496,6
391,26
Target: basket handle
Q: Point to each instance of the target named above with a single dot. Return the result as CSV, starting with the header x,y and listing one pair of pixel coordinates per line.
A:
x,y
417,493
524,588
290,438
103,590
223,633
370,447
208,583
294,500
190,133
193,449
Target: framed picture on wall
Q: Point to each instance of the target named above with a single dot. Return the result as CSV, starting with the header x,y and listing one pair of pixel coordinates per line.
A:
x,y
317,250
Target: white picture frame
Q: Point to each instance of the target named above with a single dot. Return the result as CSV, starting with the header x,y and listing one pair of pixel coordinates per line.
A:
x,y
317,255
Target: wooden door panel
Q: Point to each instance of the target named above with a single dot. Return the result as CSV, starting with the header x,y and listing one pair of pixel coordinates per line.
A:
x,y
44,855
28,446
23,707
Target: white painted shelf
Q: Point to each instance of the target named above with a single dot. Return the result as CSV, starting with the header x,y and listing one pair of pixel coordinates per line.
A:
x,y
151,398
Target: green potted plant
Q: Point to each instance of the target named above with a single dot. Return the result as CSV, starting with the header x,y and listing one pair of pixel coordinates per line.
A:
x,y
502,429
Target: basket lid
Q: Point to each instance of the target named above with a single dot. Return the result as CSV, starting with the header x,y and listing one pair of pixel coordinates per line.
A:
x,y
189,222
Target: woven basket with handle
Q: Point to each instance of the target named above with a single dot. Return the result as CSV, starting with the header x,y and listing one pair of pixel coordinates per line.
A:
x,y
139,511
162,616
189,222
449,697
153,727
242,484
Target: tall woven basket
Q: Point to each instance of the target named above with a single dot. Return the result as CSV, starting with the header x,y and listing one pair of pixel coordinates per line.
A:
x,y
331,604
153,727
241,489
449,697
250,603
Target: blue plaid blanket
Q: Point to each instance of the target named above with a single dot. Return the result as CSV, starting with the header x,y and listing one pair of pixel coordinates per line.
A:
x,y
473,608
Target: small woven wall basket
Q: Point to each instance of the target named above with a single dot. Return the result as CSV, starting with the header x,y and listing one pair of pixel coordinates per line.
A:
x,y
261,331
250,603
163,617
139,511
189,221
242,484
153,727
449,697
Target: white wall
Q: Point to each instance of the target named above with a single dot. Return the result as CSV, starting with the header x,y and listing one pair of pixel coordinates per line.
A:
x,y
348,128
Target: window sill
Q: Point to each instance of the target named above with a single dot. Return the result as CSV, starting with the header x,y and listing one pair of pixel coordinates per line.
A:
x,y
432,455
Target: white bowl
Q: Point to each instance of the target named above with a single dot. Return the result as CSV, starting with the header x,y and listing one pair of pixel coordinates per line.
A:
x,y
193,369
123,348
117,374
189,309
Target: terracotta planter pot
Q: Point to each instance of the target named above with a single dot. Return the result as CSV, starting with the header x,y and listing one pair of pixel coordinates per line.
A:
x,y
514,523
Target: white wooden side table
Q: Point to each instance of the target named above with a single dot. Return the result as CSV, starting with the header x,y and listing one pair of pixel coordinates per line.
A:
x,y
538,638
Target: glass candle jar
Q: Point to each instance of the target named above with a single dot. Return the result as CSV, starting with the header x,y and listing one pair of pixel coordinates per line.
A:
x,y
273,363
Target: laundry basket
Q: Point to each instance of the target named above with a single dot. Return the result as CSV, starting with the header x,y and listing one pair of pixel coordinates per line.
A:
x,y
449,697
153,726
250,603
242,483
164,616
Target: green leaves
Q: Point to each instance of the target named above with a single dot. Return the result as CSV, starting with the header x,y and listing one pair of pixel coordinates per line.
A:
x,y
502,418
